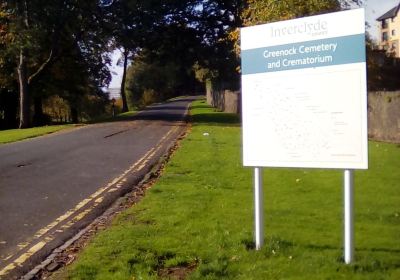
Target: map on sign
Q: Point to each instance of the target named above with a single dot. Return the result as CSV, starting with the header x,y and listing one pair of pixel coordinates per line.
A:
x,y
304,100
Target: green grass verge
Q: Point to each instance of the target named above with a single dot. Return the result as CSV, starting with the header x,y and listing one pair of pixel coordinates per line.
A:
x,y
199,214
13,135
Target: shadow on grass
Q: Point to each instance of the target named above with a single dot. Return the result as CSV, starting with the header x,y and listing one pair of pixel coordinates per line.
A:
x,y
200,106
381,250
216,119
322,247
329,247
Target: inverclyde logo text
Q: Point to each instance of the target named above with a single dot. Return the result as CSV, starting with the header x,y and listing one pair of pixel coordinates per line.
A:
x,y
308,28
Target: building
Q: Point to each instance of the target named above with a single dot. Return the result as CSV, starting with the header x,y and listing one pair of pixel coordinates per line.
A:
x,y
390,31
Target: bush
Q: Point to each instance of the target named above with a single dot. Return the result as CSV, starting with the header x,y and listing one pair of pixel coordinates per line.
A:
x,y
149,97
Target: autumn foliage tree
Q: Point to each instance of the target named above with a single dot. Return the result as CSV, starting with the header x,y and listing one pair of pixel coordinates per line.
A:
x,y
62,47
38,33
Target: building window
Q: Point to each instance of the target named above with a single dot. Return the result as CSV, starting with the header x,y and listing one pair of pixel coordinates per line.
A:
x,y
384,36
384,24
394,32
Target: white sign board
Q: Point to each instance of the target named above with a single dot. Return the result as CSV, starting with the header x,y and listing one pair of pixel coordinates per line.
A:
x,y
304,95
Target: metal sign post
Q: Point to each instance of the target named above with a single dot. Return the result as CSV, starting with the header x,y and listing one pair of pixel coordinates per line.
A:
x,y
348,196
258,209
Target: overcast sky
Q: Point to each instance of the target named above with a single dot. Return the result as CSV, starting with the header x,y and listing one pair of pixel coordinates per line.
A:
x,y
373,10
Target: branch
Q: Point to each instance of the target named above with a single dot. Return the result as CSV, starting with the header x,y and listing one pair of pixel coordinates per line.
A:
x,y
41,68
55,39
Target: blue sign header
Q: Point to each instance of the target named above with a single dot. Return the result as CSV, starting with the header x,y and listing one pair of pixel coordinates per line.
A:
x,y
310,54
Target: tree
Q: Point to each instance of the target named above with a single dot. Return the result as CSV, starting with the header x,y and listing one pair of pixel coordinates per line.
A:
x,y
190,37
269,10
383,68
262,11
22,36
70,39
218,19
252,12
126,30
134,24
39,33
158,71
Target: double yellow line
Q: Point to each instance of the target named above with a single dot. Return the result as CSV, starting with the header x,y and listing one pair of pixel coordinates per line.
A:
x,y
38,241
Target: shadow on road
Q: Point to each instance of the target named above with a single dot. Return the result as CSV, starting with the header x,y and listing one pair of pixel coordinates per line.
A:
x,y
159,112
173,113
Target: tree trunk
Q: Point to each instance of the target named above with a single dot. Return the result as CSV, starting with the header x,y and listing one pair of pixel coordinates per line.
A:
x,y
38,116
123,95
9,107
24,104
74,115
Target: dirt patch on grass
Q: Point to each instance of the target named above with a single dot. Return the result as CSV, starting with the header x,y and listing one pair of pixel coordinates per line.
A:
x,y
177,272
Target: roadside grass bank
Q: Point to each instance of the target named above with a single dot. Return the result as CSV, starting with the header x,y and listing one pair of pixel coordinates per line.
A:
x,y
13,135
196,222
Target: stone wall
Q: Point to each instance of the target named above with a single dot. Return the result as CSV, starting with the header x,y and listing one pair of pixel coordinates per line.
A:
x,y
383,111
384,116
225,100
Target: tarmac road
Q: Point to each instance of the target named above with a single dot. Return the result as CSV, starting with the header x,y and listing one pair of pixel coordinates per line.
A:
x,y
53,186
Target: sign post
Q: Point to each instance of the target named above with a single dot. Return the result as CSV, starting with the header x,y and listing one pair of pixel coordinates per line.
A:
x,y
304,101
348,217
258,209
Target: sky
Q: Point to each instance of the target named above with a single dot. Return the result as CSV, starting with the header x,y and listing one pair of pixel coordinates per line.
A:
x,y
116,70
373,10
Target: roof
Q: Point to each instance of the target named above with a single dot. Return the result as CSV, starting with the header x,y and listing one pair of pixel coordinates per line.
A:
x,y
390,14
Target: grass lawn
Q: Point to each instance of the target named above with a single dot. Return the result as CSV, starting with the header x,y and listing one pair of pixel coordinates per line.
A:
x,y
13,135
197,220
